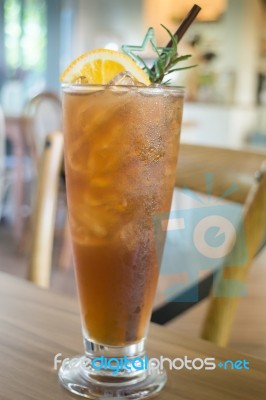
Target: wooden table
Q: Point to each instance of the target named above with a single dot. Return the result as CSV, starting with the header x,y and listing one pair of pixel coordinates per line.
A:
x,y
36,324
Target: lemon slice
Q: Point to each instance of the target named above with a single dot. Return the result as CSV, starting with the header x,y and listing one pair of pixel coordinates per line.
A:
x,y
101,66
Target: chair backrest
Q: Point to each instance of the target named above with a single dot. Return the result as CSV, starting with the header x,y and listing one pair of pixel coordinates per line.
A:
x,y
44,113
43,220
228,167
2,157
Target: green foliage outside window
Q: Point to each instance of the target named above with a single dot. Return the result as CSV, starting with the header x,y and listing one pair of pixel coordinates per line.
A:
x,y
25,35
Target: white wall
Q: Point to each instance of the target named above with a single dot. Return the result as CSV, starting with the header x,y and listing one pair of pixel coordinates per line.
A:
x,y
241,33
101,21
218,125
236,39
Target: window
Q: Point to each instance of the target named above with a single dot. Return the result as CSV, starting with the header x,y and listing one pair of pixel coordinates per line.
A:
x,y
25,35
35,36
25,44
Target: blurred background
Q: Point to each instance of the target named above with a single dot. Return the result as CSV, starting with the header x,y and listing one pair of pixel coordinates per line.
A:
x,y
225,96
38,38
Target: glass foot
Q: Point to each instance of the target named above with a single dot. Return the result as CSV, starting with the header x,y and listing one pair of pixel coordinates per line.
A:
x,y
102,379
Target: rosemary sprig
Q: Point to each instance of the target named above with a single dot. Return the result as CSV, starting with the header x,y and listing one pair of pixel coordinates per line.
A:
x,y
166,62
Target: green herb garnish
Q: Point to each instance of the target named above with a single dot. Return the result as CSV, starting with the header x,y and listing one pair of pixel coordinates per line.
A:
x,y
167,60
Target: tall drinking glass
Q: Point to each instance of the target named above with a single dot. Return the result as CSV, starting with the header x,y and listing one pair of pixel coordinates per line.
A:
x,y
121,146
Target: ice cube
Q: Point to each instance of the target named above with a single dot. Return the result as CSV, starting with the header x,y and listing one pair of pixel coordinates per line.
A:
x,y
125,79
156,89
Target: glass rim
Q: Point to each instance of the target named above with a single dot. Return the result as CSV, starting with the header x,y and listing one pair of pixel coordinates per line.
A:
x,y
156,87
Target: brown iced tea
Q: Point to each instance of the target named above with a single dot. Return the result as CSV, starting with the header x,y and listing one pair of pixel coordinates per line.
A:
x,y
121,146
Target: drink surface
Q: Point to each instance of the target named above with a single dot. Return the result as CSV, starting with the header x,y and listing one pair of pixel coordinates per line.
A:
x,y
121,148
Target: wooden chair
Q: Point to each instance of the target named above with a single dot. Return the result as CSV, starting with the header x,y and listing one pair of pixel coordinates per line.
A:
x,y
44,114
43,221
247,168
41,114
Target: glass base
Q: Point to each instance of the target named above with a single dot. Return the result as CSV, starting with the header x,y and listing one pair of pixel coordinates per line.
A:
x,y
112,373
81,382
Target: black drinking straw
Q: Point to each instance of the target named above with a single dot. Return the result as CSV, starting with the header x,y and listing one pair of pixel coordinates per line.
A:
x,y
185,24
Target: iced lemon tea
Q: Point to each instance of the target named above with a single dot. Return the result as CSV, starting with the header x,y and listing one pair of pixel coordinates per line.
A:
x,y
121,146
